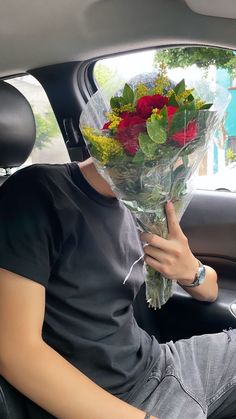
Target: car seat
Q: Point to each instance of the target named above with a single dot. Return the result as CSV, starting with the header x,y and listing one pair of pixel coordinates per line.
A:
x,y
17,129
17,138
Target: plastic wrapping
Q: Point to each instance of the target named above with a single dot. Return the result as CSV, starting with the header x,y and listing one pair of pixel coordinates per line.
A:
x,y
149,156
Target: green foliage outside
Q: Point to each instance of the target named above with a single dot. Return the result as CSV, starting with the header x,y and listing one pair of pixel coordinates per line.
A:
x,y
46,129
103,74
203,57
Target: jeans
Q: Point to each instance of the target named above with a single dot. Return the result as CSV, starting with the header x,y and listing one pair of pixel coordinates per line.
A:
x,y
193,379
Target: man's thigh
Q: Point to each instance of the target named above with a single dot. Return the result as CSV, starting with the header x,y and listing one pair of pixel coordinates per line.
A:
x,y
194,377
169,400
208,369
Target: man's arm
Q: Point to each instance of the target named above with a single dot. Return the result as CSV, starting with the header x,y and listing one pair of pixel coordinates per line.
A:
x,y
37,370
173,258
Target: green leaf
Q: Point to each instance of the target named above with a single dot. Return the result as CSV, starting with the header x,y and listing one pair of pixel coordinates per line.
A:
x,y
181,119
173,101
115,102
190,106
178,184
185,161
177,122
206,106
178,173
164,120
180,87
128,94
156,131
190,98
147,145
139,157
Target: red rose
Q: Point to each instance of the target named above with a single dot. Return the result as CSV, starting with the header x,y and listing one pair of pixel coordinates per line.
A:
x,y
146,104
186,135
126,113
106,125
129,121
128,131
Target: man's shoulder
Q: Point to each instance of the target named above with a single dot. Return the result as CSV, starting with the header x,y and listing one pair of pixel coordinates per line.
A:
x,y
38,172
37,177
42,170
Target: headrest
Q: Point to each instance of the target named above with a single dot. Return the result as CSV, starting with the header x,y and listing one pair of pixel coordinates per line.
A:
x,y
17,127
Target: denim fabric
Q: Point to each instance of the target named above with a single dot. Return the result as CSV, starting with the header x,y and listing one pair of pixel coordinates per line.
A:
x,y
193,379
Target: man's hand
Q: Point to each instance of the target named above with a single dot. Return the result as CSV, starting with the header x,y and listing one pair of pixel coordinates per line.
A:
x,y
172,257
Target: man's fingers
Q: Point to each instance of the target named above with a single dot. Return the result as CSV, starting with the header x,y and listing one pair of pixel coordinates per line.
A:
x,y
154,240
174,230
154,264
155,253
172,221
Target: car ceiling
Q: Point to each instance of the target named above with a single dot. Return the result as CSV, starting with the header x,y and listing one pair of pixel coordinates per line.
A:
x,y
39,33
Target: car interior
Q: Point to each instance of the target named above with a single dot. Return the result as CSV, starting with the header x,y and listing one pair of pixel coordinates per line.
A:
x,y
59,43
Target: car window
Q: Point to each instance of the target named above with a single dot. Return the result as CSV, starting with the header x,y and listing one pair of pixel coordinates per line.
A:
x,y
218,66
49,146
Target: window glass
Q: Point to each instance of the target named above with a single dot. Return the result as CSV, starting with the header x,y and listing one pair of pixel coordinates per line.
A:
x,y
49,146
218,168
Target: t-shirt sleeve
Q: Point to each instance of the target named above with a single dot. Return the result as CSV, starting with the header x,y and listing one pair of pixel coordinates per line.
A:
x,y
30,236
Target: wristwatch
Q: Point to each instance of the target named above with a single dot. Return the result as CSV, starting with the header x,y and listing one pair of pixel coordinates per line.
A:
x,y
199,277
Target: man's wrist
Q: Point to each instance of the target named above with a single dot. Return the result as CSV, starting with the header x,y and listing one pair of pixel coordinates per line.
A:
x,y
198,278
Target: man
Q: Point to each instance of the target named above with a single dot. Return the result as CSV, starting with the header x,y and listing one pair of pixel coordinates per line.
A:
x,y
69,340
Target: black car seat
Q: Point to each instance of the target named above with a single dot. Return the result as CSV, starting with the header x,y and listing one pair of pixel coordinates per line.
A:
x,y
17,138
17,129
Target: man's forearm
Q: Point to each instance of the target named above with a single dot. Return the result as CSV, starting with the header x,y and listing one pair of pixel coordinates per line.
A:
x,y
49,380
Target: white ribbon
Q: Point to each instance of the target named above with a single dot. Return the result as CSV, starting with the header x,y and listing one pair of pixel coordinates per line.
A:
x,y
136,261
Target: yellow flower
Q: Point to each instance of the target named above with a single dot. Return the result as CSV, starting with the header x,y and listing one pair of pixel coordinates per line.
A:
x,y
114,119
162,82
106,148
170,93
182,96
156,112
127,108
141,90
199,103
230,155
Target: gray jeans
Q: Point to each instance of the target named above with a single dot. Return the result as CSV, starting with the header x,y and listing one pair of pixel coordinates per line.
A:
x,y
193,379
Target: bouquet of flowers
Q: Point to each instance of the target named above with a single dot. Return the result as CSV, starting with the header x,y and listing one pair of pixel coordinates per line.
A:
x,y
148,141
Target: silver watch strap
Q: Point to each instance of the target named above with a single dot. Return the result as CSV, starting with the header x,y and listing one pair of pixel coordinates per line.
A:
x,y
195,281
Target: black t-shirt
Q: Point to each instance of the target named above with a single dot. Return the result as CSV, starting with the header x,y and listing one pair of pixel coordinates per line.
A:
x,y
55,229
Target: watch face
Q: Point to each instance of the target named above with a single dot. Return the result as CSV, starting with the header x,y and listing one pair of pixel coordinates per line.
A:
x,y
201,274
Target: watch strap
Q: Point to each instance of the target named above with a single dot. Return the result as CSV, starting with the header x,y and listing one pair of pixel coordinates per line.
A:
x,y
198,280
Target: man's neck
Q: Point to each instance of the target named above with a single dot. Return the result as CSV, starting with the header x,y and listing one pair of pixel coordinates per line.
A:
x,y
92,176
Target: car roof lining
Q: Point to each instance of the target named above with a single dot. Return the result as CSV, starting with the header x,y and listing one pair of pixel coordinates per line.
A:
x,y
32,36
218,8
